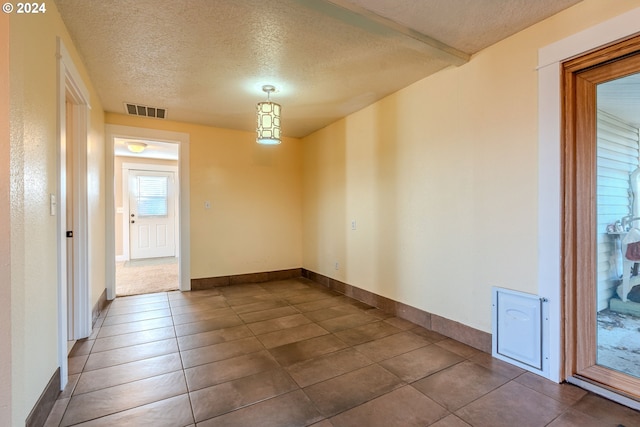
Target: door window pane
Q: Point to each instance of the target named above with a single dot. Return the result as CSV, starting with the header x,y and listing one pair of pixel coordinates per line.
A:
x,y
618,225
152,196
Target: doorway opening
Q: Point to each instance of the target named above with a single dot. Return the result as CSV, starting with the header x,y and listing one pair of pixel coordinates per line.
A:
x,y
147,217
175,140
601,221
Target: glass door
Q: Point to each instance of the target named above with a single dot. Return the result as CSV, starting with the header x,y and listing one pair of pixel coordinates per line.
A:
x,y
618,225
602,217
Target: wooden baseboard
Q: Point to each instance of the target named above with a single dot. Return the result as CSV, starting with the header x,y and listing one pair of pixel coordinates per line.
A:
x,y
452,329
268,276
99,306
38,415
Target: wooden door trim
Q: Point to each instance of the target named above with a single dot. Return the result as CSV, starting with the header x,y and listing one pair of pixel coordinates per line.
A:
x,y
612,52
579,79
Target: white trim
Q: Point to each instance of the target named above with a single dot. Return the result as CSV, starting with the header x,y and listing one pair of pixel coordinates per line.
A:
x,y
150,167
606,32
601,391
69,81
549,162
82,297
182,139
126,167
126,244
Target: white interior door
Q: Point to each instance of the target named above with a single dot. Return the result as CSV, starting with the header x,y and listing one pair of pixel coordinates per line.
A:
x,y
69,203
151,214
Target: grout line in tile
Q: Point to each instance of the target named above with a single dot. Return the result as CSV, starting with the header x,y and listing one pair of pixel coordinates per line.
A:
x,y
276,293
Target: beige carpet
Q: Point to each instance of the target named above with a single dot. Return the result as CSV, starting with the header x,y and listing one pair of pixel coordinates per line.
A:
x,y
146,276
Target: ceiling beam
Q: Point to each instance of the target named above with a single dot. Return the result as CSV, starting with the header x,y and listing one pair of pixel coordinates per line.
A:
x,y
370,21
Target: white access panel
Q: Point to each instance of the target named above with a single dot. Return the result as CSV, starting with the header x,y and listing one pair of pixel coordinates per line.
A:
x,y
519,324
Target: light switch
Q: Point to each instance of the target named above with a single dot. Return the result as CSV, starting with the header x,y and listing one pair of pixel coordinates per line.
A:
x,y
207,205
53,204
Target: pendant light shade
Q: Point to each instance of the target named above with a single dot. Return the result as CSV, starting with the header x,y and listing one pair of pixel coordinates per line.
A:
x,y
268,125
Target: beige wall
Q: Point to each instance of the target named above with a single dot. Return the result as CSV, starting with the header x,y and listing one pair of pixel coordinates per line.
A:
x,y
33,141
5,229
117,173
441,178
254,223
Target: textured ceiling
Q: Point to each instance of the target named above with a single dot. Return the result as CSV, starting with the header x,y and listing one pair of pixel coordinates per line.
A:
x,y
206,60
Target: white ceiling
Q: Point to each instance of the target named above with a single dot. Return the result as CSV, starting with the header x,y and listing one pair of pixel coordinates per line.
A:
x,y
205,61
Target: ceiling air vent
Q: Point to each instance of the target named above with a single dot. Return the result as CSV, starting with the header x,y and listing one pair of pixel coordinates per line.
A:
x,y
145,111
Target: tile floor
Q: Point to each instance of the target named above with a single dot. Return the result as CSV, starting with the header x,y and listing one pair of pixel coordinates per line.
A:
x,y
292,353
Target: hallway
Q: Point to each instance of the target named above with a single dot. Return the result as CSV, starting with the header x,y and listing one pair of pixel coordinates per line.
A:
x,y
292,353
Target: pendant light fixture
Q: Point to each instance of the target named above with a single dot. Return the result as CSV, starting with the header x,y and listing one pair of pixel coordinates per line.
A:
x,y
268,126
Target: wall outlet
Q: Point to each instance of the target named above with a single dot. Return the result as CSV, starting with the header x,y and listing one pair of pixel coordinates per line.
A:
x,y
337,266
353,224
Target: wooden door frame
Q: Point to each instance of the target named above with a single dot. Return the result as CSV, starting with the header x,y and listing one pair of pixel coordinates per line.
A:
x,y
579,145
550,258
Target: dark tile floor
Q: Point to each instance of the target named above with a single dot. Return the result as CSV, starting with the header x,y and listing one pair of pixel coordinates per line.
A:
x,y
292,353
